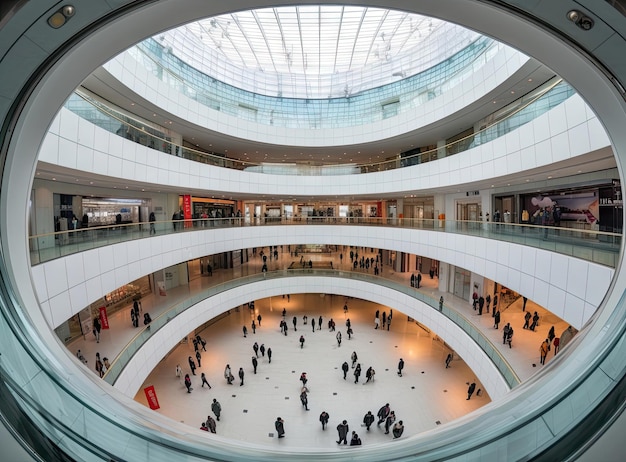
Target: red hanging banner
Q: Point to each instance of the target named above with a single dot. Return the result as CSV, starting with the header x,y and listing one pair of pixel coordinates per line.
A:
x,y
187,210
151,397
104,319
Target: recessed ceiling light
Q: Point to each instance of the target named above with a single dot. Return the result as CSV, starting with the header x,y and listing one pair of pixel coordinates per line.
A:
x,y
530,80
512,92
550,177
54,179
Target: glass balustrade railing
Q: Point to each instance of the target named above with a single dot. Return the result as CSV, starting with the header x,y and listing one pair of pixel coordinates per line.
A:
x,y
349,110
123,358
113,121
595,246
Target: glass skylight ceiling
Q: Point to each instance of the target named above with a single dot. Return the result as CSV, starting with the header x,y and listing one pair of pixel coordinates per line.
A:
x,y
315,51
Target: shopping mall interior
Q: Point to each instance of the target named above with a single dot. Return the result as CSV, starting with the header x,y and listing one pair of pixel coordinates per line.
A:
x,y
430,193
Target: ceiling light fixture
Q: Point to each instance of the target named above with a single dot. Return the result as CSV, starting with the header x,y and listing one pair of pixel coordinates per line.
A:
x,y
61,16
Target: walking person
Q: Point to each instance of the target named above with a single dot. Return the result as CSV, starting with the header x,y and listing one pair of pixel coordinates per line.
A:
x,y
269,354
391,418
97,327
398,429
505,332
301,341
199,358
319,323
255,363
211,425
470,390
448,360
192,365
527,317
295,322
355,440
556,343
253,325
313,324
179,371
535,321
383,413
241,374
496,319
280,427
228,375
324,419
216,407
368,420
245,331
258,318
255,347
354,359
509,336
543,351
400,367
262,349
188,383
338,336
342,430
304,399
345,368
204,380
357,373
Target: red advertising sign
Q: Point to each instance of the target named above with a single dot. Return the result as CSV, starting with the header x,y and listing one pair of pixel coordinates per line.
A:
x,y
187,210
104,319
151,397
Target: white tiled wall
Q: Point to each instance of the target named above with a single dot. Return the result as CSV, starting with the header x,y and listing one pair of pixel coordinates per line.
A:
x,y
157,347
569,287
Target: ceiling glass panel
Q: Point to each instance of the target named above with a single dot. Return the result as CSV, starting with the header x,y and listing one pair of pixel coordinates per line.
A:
x,y
315,51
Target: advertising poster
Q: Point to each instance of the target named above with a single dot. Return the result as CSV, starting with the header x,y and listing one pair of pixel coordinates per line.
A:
x,y
104,319
151,397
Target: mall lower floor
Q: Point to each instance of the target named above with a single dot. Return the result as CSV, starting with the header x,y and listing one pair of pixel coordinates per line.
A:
x,y
426,396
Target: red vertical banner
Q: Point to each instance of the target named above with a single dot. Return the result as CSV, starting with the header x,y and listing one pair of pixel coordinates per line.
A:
x,y
379,209
104,319
151,397
187,210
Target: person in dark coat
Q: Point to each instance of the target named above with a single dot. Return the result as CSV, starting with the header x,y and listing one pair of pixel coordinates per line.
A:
x,y
204,380
199,358
496,319
188,383
255,347
418,280
192,365
527,317
535,321
391,418
262,349
383,413
398,429
269,354
368,419
345,367
342,430
97,327
216,407
357,373
470,390
241,374
400,367
324,419
355,440
301,341
280,427
255,363
304,399
210,423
